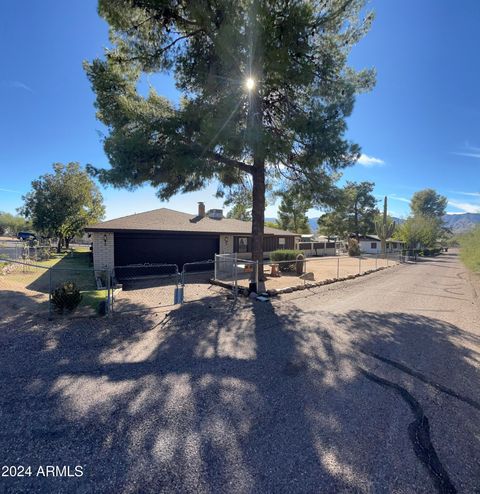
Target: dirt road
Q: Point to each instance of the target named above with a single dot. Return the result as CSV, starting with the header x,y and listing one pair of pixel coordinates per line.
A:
x,y
371,385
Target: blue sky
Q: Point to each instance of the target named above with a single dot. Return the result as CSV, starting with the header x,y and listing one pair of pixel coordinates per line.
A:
x,y
419,127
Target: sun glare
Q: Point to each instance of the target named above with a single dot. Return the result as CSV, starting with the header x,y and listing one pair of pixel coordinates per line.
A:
x,y
250,83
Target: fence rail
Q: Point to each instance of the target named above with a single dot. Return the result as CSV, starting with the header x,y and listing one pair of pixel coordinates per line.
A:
x,y
237,273
150,286
30,280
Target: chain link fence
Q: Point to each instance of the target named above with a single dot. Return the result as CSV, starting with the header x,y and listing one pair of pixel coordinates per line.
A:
x,y
196,280
238,274
22,251
30,285
144,286
233,271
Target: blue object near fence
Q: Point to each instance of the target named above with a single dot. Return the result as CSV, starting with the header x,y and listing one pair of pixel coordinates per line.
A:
x,y
178,295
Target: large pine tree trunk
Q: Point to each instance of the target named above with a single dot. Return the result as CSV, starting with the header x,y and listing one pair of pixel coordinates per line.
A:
x,y
258,214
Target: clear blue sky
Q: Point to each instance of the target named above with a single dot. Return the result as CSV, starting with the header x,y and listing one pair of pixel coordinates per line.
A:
x,y
420,126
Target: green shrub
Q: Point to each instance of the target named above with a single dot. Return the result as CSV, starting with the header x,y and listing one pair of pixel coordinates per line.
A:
x,y
470,249
353,247
66,297
286,255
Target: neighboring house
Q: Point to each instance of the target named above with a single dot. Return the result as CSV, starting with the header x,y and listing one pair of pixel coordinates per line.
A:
x,y
371,244
171,237
321,246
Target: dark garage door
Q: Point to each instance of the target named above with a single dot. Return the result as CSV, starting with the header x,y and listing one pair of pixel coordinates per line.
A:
x,y
141,248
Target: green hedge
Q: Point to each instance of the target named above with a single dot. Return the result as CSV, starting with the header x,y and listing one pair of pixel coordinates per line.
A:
x,y
286,255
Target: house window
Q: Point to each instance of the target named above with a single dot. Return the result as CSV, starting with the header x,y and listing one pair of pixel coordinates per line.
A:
x,y
242,244
394,245
373,245
281,241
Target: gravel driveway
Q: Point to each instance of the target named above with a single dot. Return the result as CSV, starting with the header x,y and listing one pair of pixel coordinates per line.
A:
x,y
370,385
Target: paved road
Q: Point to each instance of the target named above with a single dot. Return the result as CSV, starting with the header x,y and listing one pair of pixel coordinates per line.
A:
x,y
371,385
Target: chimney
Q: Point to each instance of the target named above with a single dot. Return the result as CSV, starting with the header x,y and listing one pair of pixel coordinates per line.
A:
x,y
201,209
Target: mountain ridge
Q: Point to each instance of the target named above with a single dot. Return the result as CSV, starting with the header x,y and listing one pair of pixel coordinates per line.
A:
x,y
458,223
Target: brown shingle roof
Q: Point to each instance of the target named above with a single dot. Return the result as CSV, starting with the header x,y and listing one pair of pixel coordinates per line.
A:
x,y
168,220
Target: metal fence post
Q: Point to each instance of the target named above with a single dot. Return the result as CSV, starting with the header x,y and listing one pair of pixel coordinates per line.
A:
x,y
49,292
256,273
376,260
235,285
359,264
108,302
338,267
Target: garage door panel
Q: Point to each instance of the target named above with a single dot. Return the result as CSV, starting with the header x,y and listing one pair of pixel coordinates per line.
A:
x,y
171,249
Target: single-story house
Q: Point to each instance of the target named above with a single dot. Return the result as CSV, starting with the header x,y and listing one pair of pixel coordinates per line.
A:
x,y
371,244
320,246
166,236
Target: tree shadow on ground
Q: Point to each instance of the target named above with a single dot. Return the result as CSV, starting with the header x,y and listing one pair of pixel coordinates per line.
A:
x,y
232,398
71,267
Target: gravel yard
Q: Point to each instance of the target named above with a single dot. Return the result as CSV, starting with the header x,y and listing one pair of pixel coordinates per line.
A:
x,y
322,390
323,268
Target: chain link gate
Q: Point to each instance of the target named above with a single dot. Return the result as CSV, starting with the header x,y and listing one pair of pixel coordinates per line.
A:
x,y
195,280
144,286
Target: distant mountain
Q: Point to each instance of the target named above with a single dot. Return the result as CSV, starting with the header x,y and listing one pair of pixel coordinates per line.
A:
x,y
460,223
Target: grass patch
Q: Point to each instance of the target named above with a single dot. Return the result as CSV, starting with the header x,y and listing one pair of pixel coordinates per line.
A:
x,y
470,249
67,266
92,298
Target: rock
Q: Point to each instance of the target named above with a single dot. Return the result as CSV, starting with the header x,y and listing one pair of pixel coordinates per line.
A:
x,y
308,276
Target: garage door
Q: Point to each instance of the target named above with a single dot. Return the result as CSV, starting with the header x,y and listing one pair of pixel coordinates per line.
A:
x,y
141,248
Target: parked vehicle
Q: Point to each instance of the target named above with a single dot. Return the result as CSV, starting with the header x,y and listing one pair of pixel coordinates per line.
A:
x,y
26,236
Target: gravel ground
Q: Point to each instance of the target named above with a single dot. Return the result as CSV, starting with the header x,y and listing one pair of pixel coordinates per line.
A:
x,y
369,385
324,268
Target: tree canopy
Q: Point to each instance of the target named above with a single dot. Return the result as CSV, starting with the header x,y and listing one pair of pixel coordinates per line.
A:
x,y
425,226
61,204
419,230
266,90
11,224
292,212
428,202
355,211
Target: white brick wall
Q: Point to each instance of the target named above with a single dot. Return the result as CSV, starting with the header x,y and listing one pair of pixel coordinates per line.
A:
x,y
226,244
103,250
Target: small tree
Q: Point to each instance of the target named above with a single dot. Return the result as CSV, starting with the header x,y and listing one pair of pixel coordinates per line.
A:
x,y
429,203
12,224
353,247
292,212
420,231
354,212
61,204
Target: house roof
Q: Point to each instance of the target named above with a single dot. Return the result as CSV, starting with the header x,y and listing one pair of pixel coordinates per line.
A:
x,y
377,238
168,220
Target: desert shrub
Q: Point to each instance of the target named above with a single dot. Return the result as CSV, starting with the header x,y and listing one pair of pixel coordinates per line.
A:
x,y
353,247
286,255
66,297
470,249
43,254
